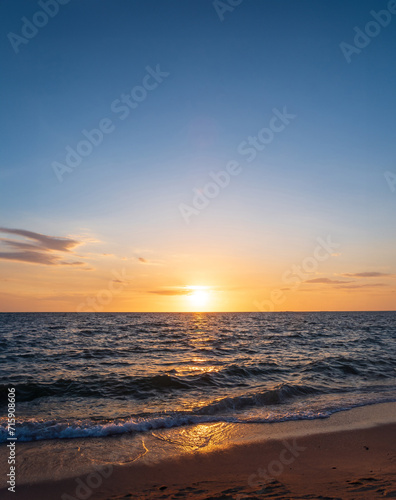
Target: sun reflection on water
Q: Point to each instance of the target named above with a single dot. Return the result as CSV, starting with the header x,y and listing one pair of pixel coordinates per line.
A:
x,y
203,437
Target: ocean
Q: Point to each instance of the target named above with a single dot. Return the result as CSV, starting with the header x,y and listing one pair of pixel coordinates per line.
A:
x,y
101,374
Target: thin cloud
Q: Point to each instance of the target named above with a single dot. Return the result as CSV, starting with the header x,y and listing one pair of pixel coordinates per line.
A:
x,y
16,245
148,262
43,241
37,248
367,275
171,291
368,285
79,263
326,281
32,257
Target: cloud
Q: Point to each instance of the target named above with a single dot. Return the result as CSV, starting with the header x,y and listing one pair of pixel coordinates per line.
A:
x,y
18,244
79,263
344,284
150,262
43,241
37,248
366,275
369,285
326,281
172,291
32,257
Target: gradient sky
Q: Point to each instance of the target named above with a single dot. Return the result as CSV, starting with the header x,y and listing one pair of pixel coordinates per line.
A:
x,y
111,236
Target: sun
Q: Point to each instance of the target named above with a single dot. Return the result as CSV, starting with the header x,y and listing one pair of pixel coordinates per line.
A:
x,y
199,296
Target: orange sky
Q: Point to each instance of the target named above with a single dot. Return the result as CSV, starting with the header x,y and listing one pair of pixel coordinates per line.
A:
x,y
83,273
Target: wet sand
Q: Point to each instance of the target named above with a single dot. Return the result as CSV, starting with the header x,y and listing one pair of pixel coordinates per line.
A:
x,y
351,455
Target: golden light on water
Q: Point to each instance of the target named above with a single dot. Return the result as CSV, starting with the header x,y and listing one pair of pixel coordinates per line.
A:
x,y
203,437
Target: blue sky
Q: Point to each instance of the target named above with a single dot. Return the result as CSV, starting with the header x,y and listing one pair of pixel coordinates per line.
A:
x,y
323,174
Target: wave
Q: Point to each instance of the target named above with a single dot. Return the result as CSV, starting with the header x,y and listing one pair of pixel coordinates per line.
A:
x,y
37,430
139,387
341,365
104,387
34,430
278,395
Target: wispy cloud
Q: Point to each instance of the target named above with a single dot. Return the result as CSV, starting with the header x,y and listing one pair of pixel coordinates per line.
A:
x,y
367,285
149,262
37,248
370,274
172,291
43,241
326,281
345,284
182,290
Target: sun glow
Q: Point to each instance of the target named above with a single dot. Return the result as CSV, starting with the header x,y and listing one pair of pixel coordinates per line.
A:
x,y
199,297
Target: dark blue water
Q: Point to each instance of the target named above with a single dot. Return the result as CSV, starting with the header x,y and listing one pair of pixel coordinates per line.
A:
x,y
101,374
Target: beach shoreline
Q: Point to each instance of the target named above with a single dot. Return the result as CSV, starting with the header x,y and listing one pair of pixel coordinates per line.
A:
x,y
349,455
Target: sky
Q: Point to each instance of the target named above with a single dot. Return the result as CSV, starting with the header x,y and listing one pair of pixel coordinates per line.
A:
x,y
194,155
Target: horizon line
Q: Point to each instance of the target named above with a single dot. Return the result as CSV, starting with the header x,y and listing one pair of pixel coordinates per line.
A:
x,y
192,312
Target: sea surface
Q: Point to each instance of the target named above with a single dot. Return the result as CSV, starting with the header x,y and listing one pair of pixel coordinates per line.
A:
x,y
99,374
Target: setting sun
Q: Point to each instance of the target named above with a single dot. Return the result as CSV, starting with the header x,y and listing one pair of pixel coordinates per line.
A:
x,y
199,296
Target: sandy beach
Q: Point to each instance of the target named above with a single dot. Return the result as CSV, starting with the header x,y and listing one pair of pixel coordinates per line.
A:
x,y
350,455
